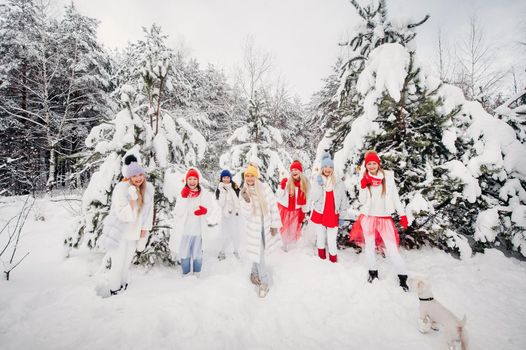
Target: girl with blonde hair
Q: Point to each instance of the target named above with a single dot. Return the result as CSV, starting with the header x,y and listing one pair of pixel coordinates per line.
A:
x,y
292,203
379,199
262,221
126,228
329,202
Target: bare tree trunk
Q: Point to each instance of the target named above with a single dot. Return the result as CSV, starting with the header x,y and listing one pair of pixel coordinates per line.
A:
x,y
256,66
52,170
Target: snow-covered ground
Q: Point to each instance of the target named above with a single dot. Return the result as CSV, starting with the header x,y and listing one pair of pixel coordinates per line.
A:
x,y
50,302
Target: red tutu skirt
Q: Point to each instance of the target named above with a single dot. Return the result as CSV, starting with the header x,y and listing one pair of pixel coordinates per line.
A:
x,y
291,221
376,224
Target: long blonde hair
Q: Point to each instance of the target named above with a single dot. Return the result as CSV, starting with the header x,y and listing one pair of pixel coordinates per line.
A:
x,y
304,185
261,197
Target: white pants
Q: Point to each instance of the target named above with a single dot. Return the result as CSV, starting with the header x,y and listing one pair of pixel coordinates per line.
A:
x,y
230,233
391,250
329,235
121,259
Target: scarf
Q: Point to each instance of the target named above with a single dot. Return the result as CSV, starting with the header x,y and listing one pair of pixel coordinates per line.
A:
x,y
302,200
329,183
186,192
232,204
377,180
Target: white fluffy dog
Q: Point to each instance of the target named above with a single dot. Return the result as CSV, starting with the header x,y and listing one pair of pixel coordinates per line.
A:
x,y
432,314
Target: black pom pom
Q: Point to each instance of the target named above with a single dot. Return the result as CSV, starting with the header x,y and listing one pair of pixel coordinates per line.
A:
x,y
129,159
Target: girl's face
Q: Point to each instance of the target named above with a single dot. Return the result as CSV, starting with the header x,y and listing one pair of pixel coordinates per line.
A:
x,y
250,179
192,182
225,179
296,174
372,167
138,180
327,171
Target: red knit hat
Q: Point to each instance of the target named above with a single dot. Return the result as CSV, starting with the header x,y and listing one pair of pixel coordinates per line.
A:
x,y
191,172
372,157
296,165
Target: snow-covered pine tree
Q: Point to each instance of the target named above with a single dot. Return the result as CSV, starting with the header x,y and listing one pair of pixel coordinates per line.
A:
x,y
405,120
288,115
510,198
19,154
82,92
498,161
54,83
323,106
210,107
375,29
441,148
202,96
336,107
164,145
259,142
513,112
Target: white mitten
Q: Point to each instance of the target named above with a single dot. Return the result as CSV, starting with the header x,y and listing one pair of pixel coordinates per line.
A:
x,y
132,191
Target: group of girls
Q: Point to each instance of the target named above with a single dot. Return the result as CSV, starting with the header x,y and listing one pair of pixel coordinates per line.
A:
x,y
264,214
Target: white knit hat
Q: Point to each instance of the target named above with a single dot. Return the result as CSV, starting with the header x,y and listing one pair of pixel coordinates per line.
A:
x,y
134,169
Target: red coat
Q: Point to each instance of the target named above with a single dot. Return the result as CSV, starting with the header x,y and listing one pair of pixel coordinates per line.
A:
x,y
328,218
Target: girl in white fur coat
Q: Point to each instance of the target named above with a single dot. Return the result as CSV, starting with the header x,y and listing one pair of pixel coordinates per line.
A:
x,y
227,194
127,226
262,221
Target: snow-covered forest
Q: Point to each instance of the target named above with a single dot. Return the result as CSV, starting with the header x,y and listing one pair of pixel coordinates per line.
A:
x,y
451,128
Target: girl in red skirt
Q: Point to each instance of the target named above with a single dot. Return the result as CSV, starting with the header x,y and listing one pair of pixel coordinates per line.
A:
x,y
329,201
379,199
292,204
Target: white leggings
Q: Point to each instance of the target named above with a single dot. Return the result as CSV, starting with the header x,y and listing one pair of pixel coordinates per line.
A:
x,y
327,234
230,233
121,259
371,224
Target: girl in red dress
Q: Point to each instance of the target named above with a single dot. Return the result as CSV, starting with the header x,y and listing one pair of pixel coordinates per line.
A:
x,y
329,201
292,204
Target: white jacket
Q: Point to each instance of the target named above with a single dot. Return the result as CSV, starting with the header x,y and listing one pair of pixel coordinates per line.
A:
x,y
255,220
228,200
317,198
123,222
391,198
282,195
181,210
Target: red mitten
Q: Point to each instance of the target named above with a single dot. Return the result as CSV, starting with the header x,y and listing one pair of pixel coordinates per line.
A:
x,y
185,192
201,211
283,183
366,180
403,222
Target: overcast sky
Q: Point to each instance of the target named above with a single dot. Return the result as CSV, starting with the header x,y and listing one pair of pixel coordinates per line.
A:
x,y
301,34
